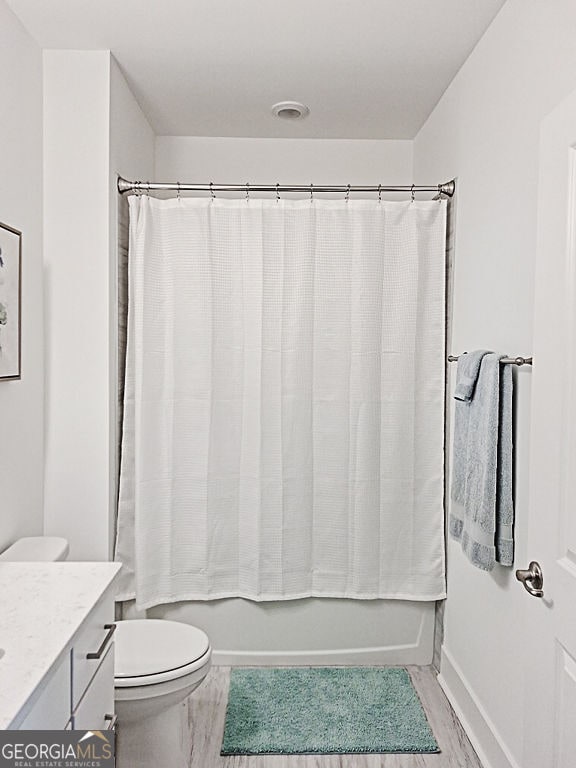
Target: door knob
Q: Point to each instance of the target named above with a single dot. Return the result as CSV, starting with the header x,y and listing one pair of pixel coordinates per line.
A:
x,y
532,579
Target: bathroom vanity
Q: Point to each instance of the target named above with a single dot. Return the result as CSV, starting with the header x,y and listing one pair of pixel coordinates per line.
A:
x,y
56,645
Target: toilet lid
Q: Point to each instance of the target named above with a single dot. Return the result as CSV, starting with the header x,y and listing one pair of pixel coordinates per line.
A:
x,y
152,646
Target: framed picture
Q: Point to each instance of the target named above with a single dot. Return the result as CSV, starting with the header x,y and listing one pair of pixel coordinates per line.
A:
x,y
10,300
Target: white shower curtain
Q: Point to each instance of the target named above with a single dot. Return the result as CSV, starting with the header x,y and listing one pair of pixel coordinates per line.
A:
x,y
284,403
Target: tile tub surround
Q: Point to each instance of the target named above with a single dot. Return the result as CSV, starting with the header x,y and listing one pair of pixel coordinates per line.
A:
x,y
42,607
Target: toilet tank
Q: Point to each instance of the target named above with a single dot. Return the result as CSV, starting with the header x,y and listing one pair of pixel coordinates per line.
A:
x,y
30,549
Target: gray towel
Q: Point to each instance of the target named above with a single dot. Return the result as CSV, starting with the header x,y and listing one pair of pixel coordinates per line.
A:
x,y
466,377
483,514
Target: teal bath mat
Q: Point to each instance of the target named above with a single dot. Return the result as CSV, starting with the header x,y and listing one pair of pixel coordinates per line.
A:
x,y
324,710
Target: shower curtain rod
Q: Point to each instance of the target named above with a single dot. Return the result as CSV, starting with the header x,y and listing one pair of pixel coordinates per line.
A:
x,y
443,190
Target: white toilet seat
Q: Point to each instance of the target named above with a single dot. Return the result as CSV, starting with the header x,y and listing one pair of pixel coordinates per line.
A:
x,y
163,677
153,651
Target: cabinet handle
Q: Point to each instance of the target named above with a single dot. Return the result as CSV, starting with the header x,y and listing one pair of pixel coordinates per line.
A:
x,y
113,719
111,629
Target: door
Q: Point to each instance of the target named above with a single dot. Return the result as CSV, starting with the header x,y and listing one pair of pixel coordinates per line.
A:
x,y
550,695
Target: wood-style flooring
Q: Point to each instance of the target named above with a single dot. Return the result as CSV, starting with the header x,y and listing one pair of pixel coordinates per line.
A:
x,y
208,709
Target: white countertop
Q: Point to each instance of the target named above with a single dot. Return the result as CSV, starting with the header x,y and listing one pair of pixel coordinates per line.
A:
x,y
42,606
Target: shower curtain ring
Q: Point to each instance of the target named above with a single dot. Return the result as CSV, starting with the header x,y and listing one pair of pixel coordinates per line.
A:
x,y
379,193
311,193
148,188
347,192
277,192
212,195
178,190
247,192
412,193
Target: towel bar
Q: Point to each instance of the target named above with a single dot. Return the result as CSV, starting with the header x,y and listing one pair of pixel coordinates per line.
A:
x,y
504,360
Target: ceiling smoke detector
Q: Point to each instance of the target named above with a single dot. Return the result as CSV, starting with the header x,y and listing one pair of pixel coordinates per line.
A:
x,y
290,110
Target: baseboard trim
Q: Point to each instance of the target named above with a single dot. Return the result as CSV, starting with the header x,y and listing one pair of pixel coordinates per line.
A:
x,y
480,729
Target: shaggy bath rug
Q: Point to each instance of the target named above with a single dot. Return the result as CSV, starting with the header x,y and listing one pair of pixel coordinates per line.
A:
x,y
324,710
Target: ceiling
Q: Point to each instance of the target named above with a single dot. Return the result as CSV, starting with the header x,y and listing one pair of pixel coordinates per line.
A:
x,y
365,68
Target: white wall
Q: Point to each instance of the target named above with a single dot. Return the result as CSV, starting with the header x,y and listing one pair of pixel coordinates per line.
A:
x,y
268,161
314,630
484,132
21,402
76,256
92,127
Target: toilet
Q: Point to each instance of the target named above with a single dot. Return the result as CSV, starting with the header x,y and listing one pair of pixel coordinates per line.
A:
x,y
157,665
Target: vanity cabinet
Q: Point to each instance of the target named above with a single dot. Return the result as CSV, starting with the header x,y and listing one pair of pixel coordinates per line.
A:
x,y
95,710
51,711
92,681
57,672
79,692
90,647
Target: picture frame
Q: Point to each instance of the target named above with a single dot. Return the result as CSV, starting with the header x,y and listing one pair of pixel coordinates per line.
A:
x,y
10,302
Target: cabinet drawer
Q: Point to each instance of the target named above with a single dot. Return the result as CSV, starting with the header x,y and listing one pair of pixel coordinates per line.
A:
x,y
51,710
96,707
91,640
